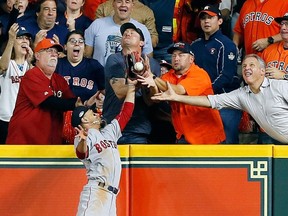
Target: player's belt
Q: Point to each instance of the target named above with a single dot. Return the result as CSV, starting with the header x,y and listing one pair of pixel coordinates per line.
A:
x,y
109,188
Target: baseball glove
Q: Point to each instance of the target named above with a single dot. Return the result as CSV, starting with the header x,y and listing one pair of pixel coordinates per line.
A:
x,y
134,65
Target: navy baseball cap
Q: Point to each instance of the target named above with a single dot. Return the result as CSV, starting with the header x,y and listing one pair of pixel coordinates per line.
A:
x,y
129,25
210,10
280,19
23,31
77,115
184,47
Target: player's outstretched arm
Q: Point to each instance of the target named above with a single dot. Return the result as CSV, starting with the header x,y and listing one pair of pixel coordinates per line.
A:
x,y
170,95
81,149
128,106
130,95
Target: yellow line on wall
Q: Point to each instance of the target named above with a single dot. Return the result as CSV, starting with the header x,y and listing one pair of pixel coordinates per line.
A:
x,y
201,150
46,151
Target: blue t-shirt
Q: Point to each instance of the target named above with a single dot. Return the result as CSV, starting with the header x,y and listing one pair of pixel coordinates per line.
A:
x,y
81,23
85,79
60,30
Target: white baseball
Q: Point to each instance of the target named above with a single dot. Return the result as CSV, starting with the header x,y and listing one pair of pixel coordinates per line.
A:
x,y
138,66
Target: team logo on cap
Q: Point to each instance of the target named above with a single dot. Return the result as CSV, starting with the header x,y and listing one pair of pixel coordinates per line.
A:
x,y
179,44
23,28
206,7
81,114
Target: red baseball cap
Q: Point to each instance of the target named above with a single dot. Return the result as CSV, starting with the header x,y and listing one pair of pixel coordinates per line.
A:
x,y
47,43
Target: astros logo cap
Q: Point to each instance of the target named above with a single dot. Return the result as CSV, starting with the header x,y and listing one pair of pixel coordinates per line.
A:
x,y
210,10
181,46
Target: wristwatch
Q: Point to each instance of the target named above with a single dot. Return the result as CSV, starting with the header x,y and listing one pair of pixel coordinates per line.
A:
x,y
285,76
270,40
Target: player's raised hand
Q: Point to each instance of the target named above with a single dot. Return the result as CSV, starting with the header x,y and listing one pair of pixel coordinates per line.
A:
x,y
81,132
169,94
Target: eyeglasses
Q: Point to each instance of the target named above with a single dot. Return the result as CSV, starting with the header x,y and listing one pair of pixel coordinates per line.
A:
x,y
74,41
51,51
284,23
22,37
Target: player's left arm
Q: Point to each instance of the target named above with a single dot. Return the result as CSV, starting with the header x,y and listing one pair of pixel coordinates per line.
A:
x,y
128,106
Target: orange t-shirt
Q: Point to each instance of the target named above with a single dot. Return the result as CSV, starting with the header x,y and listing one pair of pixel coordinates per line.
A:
x,y
199,125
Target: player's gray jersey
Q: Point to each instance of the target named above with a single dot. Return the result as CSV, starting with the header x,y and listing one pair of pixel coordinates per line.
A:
x,y
103,162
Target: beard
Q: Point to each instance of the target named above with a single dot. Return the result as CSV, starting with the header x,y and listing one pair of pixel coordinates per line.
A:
x,y
177,68
52,63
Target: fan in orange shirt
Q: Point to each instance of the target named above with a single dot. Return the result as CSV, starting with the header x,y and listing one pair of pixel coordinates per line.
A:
x,y
194,125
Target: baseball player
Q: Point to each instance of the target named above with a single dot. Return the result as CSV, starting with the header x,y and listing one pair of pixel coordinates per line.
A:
x,y
96,147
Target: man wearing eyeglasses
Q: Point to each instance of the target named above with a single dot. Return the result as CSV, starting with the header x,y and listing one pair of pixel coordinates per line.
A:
x,y
85,76
42,98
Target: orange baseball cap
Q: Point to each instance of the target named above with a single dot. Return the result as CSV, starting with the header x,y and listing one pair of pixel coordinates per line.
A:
x,y
47,43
